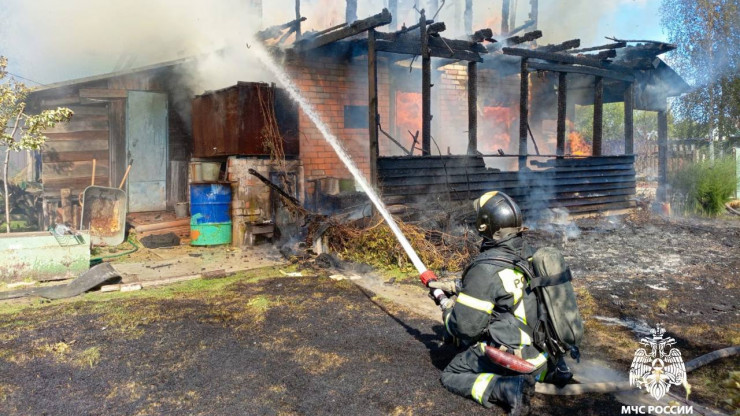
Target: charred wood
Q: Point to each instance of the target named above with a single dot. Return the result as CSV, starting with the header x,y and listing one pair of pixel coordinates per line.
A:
x,y
617,45
598,115
483,35
414,48
355,28
576,69
426,89
515,40
277,189
436,28
569,44
603,55
277,30
565,58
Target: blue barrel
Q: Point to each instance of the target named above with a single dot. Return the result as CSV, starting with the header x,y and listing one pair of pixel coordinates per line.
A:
x,y
212,201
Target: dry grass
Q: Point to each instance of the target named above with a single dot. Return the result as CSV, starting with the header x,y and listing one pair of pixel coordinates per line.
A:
x,y
378,246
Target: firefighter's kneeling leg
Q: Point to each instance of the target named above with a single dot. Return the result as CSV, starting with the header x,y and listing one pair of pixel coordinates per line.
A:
x,y
471,374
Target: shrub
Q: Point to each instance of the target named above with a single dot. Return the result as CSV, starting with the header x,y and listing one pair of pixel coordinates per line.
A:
x,y
704,187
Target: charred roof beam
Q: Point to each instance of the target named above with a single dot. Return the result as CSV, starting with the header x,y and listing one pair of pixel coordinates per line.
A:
x,y
617,45
344,32
568,44
567,59
577,69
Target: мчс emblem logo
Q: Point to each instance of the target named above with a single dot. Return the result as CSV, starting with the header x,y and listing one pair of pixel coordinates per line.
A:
x,y
658,369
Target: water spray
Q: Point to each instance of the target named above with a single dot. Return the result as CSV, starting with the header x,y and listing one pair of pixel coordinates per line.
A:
x,y
263,55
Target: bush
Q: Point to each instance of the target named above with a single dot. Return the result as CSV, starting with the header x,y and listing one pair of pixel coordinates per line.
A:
x,y
704,187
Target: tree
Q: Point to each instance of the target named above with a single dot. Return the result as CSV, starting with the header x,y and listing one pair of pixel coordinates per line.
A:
x,y
18,130
707,34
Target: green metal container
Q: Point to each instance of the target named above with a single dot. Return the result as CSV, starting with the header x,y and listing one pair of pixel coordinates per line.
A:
x,y
209,234
42,256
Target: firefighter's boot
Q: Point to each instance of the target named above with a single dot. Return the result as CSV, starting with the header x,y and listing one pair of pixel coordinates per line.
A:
x,y
514,392
560,375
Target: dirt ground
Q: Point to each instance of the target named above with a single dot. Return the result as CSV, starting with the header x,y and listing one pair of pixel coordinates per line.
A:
x,y
264,343
251,344
636,271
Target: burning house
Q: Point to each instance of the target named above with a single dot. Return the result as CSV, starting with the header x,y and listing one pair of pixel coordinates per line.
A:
x,y
422,115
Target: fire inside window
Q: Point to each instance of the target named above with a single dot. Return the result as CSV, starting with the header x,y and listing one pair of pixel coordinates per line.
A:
x,y
355,116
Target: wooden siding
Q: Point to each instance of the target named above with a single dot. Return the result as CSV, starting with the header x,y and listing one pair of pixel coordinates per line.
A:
x,y
581,185
67,155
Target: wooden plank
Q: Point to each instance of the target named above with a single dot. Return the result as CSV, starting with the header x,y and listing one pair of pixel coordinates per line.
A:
x,y
82,110
568,44
598,126
60,101
184,222
462,176
429,161
372,84
72,169
355,28
586,161
410,48
451,170
74,156
562,100
117,139
585,70
538,182
473,108
566,59
73,145
79,125
426,89
602,207
513,190
103,93
523,113
79,135
616,45
76,184
629,125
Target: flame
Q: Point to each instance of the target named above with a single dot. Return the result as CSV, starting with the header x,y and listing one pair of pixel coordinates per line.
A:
x,y
408,116
577,144
494,129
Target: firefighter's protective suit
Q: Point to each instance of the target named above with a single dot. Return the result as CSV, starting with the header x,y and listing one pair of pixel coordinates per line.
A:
x,y
490,301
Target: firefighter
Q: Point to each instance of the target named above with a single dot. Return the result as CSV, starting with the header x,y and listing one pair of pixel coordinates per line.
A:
x,y
492,311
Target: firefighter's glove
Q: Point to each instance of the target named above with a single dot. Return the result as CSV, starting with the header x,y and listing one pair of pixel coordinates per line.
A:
x,y
447,303
450,287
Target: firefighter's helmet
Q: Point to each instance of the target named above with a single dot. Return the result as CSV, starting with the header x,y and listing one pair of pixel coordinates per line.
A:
x,y
496,213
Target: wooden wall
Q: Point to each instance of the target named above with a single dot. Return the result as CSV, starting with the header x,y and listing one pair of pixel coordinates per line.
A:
x,y
98,131
68,154
581,185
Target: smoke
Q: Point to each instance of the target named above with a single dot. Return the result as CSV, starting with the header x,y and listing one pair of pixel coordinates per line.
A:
x,y
51,41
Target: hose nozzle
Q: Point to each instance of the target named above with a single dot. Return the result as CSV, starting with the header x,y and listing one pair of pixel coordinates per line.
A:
x,y
427,277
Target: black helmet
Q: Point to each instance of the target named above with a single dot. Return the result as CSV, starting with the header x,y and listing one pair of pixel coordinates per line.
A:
x,y
498,215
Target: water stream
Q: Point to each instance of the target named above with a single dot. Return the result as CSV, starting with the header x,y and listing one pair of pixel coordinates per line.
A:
x,y
264,56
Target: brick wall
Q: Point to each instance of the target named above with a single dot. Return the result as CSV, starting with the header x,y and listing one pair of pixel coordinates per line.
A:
x,y
330,84
250,198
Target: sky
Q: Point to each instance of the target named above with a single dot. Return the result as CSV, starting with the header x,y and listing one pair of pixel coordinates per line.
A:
x,y
48,41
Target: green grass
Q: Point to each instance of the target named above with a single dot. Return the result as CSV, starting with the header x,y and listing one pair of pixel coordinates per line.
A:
x,y
203,288
704,187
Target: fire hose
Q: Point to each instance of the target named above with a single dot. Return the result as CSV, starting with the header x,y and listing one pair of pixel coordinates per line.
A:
x,y
612,387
